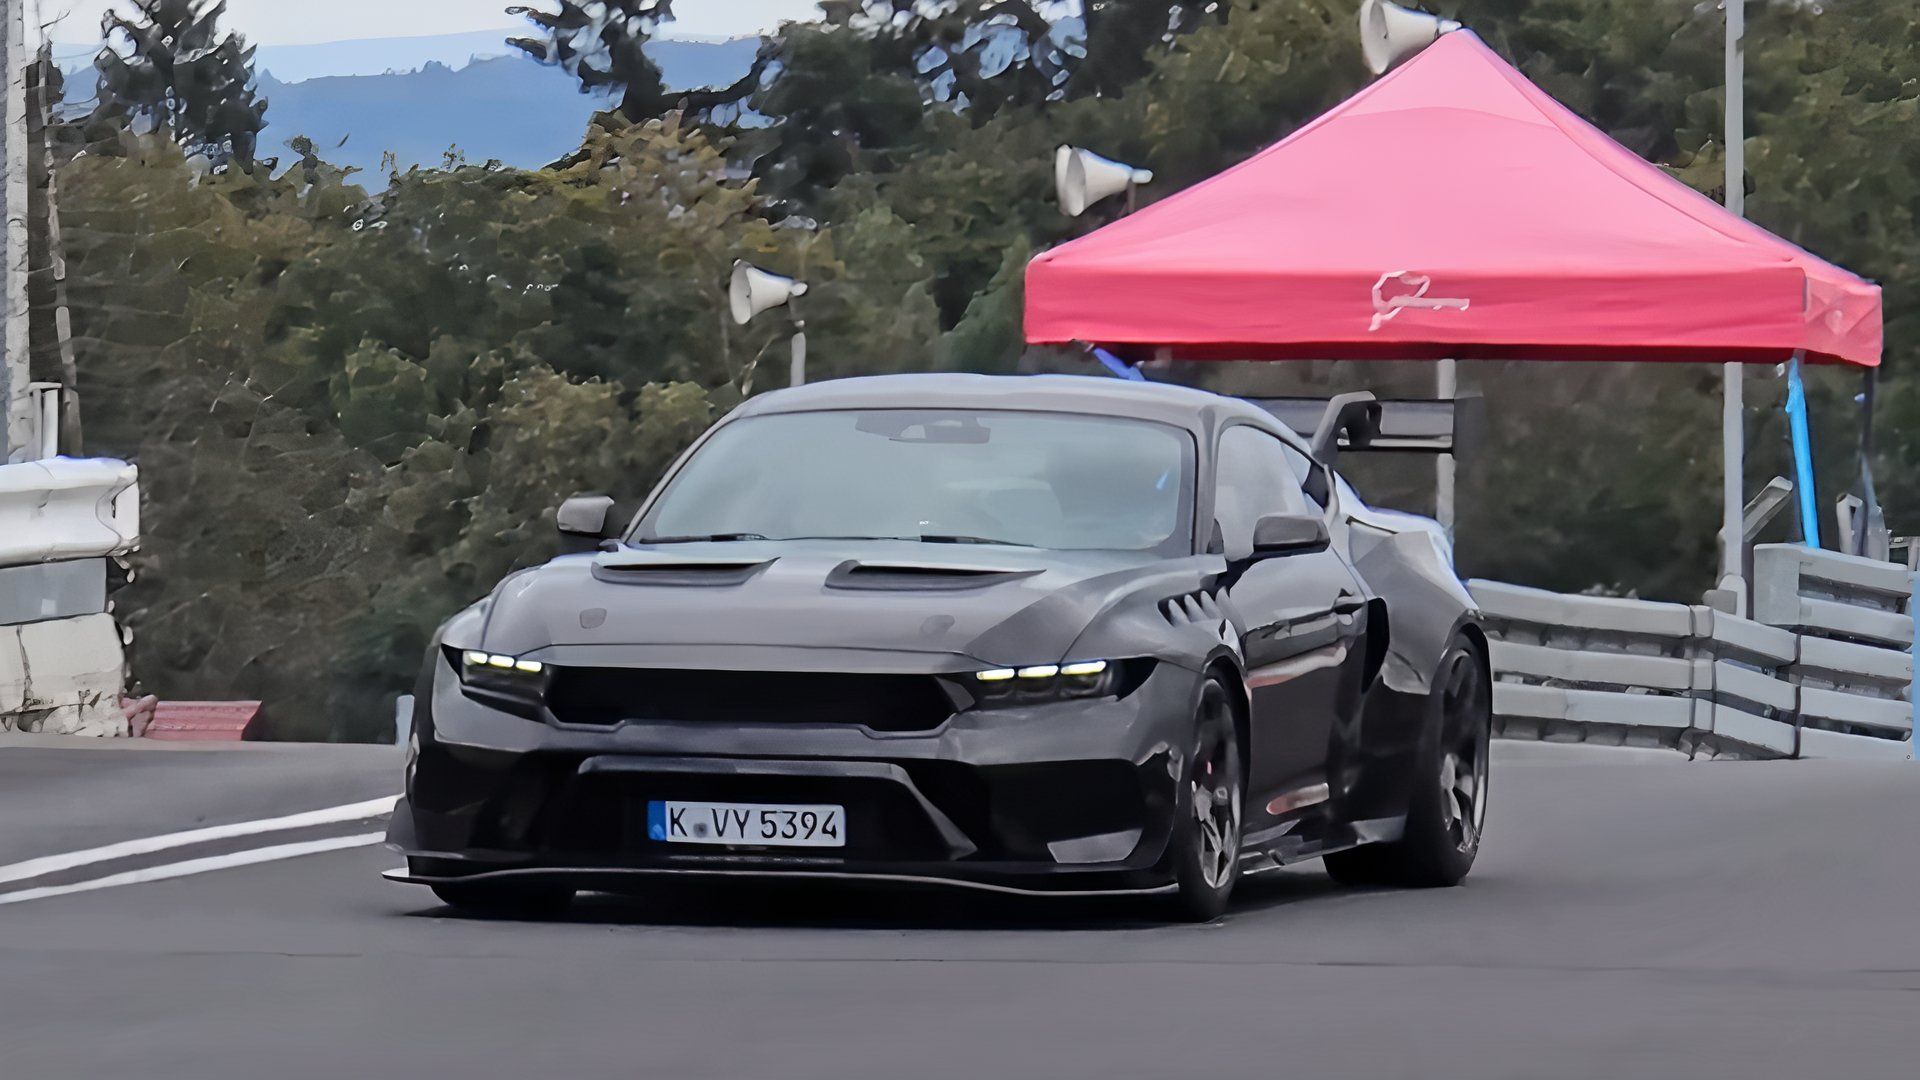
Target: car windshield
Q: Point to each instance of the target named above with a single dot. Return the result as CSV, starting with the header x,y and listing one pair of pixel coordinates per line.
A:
x,y
1046,480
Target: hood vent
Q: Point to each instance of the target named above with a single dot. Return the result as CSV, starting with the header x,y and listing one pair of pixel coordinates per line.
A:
x,y
627,568
915,577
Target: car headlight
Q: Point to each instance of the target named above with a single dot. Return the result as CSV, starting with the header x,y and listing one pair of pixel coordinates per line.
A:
x,y
496,675
1055,682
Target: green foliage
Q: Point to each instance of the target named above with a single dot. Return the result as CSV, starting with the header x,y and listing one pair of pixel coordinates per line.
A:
x,y
170,64
354,410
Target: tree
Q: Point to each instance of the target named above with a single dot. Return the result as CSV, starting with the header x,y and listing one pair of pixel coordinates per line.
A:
x,y
174,68
873,84
603,44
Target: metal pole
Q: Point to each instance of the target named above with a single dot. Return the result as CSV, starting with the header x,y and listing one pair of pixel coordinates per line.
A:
x,y
1448,379
799,373
1874,541
68,423
1733,431
17,441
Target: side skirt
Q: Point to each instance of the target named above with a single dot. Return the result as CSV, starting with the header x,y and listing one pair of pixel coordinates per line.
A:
x,y
1272,852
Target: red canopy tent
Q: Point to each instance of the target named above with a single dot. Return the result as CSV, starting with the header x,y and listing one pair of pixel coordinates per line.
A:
x,y
1450,209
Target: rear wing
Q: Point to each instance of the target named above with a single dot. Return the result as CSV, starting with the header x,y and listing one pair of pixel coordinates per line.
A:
x,y
1406,426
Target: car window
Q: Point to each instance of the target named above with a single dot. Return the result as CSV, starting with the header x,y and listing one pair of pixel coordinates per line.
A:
x,y
1049,480
1349,498
1304,468
1254,478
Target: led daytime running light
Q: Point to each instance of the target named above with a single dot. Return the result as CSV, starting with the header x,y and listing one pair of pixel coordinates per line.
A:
x,y
503,663
1080,670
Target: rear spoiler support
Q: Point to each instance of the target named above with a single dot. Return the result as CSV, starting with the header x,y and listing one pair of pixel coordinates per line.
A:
x,y
1361,422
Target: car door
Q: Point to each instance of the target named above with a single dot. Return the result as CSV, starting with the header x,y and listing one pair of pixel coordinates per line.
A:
x,y
1301,617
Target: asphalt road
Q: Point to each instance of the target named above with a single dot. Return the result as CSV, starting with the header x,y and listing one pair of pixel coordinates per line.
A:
x,y
1633,915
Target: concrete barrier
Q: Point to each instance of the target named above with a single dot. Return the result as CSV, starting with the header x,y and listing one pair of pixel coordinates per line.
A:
x,y
62,677
62,660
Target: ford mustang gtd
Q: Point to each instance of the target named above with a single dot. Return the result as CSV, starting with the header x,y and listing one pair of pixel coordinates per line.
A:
x,y
1045,634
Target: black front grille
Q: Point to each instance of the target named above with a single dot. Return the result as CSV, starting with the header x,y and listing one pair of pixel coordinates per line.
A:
x,y
609,696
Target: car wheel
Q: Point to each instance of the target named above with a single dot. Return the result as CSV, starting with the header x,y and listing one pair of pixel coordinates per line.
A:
x,y
514,900
1447,809
1206,832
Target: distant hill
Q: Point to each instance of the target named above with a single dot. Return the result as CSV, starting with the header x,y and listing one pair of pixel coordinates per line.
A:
x,y
507,108
378,56
418,96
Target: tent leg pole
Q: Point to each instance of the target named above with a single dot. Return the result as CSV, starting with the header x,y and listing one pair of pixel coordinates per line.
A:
x,y
1733,428
1733,488
1448,379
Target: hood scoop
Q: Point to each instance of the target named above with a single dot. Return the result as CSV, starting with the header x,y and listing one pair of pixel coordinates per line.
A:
x,y
919,577
653,568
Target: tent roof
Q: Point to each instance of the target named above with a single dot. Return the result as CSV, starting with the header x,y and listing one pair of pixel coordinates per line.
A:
x,y
1450,209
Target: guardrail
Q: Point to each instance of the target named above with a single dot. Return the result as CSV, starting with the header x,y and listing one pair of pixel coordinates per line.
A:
x,y
1854,627
1822,670
62,657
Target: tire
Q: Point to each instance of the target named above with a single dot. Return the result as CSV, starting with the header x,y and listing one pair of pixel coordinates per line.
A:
x,y
515,900
1205,846
1447,807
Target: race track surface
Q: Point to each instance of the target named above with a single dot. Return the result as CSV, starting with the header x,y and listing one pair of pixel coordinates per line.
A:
x,y
1633,915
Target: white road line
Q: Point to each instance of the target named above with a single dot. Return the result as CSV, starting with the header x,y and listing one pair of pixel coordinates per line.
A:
x,y
197,866
334,815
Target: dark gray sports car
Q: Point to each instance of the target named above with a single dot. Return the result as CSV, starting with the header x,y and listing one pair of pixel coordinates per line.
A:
x,y
1045,634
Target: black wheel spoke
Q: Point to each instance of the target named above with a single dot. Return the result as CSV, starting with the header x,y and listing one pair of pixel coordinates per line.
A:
x,y
1463,769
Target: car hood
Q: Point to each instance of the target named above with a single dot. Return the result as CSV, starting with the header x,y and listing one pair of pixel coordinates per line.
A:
x,y
688,603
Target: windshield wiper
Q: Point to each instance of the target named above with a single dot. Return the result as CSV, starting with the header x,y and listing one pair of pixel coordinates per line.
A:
x,y
712,538
936,538
927,538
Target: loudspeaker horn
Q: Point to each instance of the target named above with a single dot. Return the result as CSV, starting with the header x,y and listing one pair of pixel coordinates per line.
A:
x,y
754,290
1082,178
1390,33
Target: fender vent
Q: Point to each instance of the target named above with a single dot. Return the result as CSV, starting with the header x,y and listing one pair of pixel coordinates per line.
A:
x,y
1193,609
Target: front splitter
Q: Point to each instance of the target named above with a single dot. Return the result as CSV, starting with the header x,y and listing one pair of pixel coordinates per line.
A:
x,y
588,877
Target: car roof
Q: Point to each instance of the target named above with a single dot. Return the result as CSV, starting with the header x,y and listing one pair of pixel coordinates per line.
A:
x,y
1096,395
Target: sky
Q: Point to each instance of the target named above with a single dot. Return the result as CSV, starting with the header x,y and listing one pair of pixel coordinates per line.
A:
x,y
299,22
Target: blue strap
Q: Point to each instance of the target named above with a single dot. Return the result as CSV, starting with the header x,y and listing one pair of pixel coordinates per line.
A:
x,y
1802,455
1118,366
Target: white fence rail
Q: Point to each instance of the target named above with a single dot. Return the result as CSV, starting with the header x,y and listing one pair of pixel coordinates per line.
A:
x,y
62,661
68,509
1824,669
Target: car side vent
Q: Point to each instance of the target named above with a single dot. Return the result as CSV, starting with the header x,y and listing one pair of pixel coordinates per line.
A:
x,y
914,577
1192,609
697,572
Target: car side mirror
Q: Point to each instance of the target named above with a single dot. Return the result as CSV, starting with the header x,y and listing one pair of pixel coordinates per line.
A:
x,y
1290,534
583,522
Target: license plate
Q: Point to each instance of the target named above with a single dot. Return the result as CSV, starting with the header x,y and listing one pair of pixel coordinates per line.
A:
x,y
758,824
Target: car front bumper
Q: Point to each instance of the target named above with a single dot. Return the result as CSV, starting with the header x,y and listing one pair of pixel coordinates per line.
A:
x,y
1065,797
